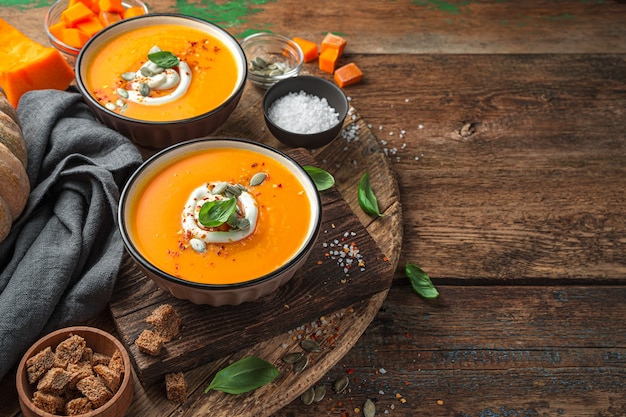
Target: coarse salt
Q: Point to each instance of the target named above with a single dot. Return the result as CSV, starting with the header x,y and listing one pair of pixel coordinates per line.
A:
x,y
303,113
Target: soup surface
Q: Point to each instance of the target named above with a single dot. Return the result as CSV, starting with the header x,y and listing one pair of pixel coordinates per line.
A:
x,y
279,230
206,75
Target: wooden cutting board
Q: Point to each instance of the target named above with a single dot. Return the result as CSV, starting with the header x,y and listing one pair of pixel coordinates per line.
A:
x,y
337,328
333,277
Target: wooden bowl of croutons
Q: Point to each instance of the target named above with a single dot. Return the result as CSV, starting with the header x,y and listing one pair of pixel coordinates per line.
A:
x,y
75,371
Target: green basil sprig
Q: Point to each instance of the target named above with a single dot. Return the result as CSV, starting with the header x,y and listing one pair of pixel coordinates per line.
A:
x,y
420,281
245,375
217,212
164,59
323,179
367,198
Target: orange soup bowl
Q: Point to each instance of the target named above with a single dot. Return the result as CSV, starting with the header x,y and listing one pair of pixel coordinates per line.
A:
x,y
218,220
160,79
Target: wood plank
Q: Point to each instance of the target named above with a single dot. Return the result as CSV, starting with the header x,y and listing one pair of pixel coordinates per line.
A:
x,y
404,26
487,351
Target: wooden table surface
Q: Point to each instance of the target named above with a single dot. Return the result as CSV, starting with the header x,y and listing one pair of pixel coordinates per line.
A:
x,y
504,122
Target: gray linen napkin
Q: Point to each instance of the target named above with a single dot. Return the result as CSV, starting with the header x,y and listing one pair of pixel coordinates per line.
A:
x,y
59,263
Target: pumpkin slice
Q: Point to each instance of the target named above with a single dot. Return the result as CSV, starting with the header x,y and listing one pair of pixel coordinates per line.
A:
x,y
14,186
28,65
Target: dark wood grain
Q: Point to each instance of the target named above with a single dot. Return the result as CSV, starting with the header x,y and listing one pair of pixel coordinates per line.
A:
x,y
519,221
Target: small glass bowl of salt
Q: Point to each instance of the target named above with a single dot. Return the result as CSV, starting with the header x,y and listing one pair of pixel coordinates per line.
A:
x,y
305,111
271,57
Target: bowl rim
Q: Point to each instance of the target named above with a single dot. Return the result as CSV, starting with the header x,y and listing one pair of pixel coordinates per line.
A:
x,y
42,343
237,51
302,252
266,104
68,49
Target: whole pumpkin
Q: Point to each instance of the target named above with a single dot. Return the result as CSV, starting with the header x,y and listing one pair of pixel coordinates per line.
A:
x,y
14,184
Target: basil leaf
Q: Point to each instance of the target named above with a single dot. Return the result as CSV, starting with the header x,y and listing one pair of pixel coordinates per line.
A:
x,y
323,180
367,199
164,59
217,212
420,281
245,375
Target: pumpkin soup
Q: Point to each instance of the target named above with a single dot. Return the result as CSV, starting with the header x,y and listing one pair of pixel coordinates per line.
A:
x,y
163,72
220,216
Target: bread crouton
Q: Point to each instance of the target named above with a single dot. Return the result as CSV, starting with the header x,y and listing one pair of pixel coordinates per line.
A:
x,y
50,403
95,390
165,321
176,387
70,351
117,363
111,378
39,364
149,342
80,405
79,371
55,381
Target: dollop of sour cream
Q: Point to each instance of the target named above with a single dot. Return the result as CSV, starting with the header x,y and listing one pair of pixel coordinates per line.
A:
x,y
192,227
161,79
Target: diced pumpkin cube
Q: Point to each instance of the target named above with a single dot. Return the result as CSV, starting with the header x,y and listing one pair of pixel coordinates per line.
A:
x,y
29,65
111,6
348,74
333,41
73,37
90,26
309,49
133,12
75,14
56,29
91,4
328,60
108,18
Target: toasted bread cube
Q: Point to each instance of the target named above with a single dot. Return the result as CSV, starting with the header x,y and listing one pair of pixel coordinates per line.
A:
x,y
39,364
79,371
111,378
149,342
50,403
70,351
80,405
55,381
165,321
95,390
176,387
117,363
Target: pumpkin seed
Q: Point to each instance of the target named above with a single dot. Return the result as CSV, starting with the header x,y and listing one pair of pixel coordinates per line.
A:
x,y
128,76
292,357
341,384
124,107
300,364
243,224
257,179
198,245
259,62
146,72
310,345
233,220
119,102
110,106
122,92
320,392
219,188
144,89
369,408
235,191
308,396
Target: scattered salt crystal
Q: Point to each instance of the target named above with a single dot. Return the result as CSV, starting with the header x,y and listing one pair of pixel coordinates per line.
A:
x,y
420,126
406,100
382,371
303,113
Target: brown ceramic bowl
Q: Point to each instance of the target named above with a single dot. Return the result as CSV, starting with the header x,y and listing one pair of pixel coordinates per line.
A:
x,y
216,294
160,134
312,86
98,340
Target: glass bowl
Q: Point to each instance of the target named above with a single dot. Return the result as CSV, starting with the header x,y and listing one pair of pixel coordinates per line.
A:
x,y
271,57
53,16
